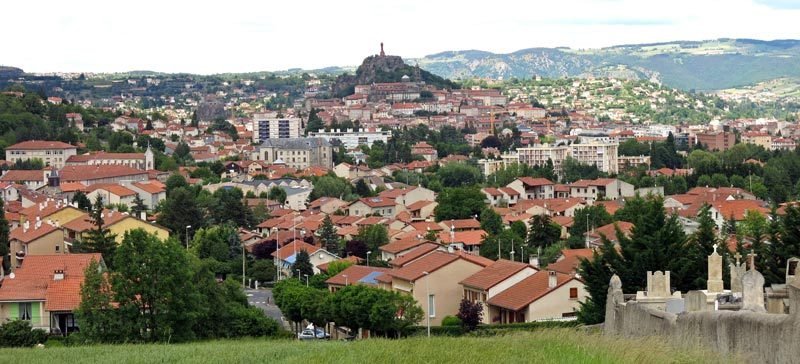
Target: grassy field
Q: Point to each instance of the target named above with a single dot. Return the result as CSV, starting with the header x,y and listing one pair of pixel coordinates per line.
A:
x,y
545,346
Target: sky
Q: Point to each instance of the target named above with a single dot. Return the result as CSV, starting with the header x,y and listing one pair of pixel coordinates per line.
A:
x,y
246,36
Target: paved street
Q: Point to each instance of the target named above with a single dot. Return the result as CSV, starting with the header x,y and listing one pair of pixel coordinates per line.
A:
x,y
262,298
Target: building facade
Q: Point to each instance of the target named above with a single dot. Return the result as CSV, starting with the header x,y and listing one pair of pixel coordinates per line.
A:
x,y
267,127
353,138
51,153
296,153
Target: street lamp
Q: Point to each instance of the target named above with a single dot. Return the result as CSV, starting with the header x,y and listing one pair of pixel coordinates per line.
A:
x,y
345,279
368,253
298,274
306,275
187,236
511,253
428,297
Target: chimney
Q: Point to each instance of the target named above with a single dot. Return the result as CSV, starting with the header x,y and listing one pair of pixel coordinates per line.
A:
x,y
534,261
143,216
552,280
58,275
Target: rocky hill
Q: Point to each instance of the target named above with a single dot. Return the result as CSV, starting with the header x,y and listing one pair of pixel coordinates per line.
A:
x,y
703,65
10,72
385,69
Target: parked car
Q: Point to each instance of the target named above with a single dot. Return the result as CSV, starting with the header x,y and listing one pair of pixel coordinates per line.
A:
x,y
311,334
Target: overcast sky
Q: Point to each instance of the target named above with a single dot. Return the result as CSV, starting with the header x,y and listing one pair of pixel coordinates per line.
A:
x,y
240,36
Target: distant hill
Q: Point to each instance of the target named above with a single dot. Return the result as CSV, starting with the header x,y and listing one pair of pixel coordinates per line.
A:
x,y
385,69
10,72
701,65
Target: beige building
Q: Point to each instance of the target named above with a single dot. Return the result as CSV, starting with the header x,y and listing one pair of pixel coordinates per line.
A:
x,y
299,153
490,281
545,295
433,281
604,155
762,139
539,155
35,238
386,207
51,153
266,126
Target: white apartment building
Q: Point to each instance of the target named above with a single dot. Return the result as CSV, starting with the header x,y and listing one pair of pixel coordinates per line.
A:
x,y
353,138
604,155
538,155
268,126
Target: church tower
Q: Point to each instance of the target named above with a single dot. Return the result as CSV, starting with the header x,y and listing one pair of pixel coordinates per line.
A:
x,y
149,159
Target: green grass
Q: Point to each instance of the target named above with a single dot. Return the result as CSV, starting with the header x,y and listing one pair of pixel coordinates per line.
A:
x,y
545,346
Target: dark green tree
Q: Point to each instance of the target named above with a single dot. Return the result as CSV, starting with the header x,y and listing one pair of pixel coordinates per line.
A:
x,y
544,232
4,244
96,312
99,239
302,265
82,201
138,206
459,203
180,210
491,222
277,194
327,235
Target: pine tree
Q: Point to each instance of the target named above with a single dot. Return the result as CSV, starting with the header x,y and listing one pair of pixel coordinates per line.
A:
x,y
82,201
138,206
327,234
543,232
302,264
692,268
99,239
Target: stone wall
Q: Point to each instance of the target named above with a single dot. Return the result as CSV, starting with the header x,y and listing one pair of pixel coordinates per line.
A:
x,y
761,337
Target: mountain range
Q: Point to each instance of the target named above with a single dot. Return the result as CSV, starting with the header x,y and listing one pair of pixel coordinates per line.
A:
x,y
689,65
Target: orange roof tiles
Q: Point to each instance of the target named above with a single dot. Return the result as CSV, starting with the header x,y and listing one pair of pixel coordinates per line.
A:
x,y
571,259
610,230
353,274
414,254
528,290
290,249
31,234
398,246
469,237
429,263
18,175
40,144
34,280
493,274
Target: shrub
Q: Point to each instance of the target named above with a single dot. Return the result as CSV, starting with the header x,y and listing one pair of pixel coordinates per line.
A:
x,y
18,333
451,321
251,321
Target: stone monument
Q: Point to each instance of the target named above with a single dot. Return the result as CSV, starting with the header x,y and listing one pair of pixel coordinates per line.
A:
x,y
753,288
714,282
737,272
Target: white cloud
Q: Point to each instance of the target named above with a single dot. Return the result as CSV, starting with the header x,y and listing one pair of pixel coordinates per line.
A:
x,y
239,35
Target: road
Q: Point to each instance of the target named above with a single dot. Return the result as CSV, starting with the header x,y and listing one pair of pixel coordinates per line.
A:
x,y
262,298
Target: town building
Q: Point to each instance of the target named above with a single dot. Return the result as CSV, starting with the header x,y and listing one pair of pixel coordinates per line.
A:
x,y
143,161
298,153
353,138
51,153
269,126
716,140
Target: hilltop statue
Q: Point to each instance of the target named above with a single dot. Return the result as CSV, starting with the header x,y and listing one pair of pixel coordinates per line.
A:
x,y
382,54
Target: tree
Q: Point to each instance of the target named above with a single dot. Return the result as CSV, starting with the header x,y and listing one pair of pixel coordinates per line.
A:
x,y
331,186
215,243
356,248
19,333
175,181
459,203
544,232
99,239
327,234
262,270
302,263
153,287
96,312
374,236
314,122
180,210
596,272
362,189
458,174
4,244
277,194
590,217
470,314
692,267
82,201
491,222
138,206
228,207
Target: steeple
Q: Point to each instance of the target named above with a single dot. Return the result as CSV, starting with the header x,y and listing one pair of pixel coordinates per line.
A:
x,y
149,158
382,54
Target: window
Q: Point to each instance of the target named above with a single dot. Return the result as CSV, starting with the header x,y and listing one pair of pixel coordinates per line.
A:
x,y
432,305
57,248
25,311
573,293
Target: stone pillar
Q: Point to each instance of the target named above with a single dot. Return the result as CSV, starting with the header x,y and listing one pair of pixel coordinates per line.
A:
x,y
714,272
753,291
614,298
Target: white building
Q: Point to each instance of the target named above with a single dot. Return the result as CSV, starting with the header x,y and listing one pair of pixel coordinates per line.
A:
x,y
603,155
353,138
267,126
51,153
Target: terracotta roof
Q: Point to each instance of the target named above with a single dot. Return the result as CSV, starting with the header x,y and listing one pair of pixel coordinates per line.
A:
x,y
397,192
528,290
425,225
564,221
377,201
533,182
414,254
112,188
352,259
418,205
355,274
103,155
492,191
462,224
509,191
372,220
86,173
32,233
84,222
290,249
474,258
429,263
610,230
34,280
19,175
41,144
398,246
469,237
495,273
738,208
610,206
570,258
151,186
72,187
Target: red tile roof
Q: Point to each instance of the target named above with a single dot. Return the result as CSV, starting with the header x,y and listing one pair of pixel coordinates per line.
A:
x,y
18,175
86,173
462,224
41,144
469,237
414,254
34,280
429,263
533,182
290,249
31,234
527,291
151,186
568,264
610,230
493,274
354,273
398,246
377,201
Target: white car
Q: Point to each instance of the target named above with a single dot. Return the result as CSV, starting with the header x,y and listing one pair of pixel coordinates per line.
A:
x,y
311,334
